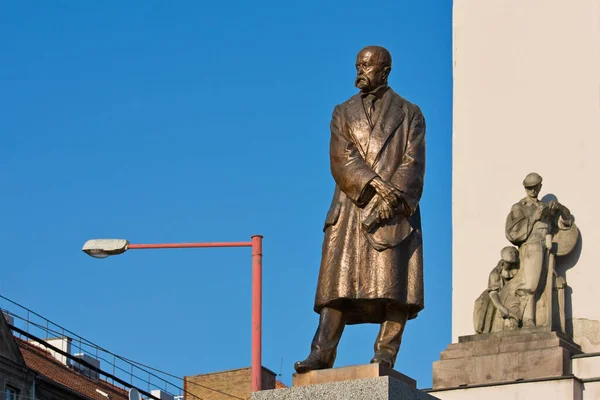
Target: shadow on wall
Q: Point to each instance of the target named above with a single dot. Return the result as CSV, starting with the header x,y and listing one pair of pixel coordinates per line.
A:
x,y
563,265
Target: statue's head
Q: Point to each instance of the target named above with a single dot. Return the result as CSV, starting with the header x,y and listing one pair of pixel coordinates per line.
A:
x,y
373,66
510,254
532,184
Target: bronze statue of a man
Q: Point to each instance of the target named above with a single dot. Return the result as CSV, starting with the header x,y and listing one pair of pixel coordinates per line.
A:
x,y
372,262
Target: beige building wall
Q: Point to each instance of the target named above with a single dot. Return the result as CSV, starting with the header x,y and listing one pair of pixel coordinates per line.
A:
x,y
230,384
526,98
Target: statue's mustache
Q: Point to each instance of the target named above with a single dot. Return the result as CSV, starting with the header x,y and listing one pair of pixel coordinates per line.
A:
x,y
362,78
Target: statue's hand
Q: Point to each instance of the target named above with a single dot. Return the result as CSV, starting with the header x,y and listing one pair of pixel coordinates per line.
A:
x,y
511,323
553,205
388,192
386,212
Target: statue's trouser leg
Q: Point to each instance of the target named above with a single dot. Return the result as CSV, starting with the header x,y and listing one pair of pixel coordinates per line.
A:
x,y
328,335
532,262
389,338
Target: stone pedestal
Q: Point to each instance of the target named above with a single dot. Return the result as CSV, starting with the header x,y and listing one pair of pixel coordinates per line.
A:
x,y
381,388
563,388
504,357
350,373
359,382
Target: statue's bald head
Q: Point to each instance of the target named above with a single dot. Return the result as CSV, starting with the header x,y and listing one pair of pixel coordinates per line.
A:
x,y
381,55
373,66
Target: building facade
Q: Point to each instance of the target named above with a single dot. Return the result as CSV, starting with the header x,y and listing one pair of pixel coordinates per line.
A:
x,y
526,77
31,371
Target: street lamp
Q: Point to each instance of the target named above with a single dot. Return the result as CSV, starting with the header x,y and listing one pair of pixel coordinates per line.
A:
x,y
102,248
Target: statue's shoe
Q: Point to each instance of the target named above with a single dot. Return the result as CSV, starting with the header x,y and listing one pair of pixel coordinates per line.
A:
x,y
383,358
312,363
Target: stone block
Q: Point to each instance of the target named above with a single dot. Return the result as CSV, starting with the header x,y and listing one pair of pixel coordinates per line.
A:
x,y
565,388
586,366
504,357
379,388
349,373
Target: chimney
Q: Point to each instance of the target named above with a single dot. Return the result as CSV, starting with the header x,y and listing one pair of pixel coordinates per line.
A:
x,y
162,395
84,369
62,343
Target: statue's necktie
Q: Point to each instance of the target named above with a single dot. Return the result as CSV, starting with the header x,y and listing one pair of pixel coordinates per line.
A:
x,y
371,106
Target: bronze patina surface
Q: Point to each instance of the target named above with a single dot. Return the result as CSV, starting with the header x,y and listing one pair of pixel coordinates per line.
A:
x,y
372,261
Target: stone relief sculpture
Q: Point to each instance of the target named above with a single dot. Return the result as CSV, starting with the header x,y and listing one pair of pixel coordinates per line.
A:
x,y
542,231
489,303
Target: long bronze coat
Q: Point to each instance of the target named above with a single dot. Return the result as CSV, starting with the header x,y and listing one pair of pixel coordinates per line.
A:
x,y
364,274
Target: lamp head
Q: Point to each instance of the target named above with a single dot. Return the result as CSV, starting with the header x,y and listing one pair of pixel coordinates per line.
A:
x,y
102,248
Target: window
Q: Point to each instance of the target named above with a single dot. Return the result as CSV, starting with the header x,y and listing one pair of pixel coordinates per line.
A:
x,y
11,393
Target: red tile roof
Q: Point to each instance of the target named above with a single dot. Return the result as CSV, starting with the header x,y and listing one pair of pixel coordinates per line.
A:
x,y
279,385
42,361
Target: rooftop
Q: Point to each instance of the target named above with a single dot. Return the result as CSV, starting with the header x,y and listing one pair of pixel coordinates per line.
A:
x,y
41,360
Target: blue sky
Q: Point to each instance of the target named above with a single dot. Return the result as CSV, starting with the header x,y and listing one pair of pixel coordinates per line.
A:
x,y
203,121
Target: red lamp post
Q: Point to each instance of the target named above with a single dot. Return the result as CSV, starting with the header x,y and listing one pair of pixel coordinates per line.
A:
x,y
102,248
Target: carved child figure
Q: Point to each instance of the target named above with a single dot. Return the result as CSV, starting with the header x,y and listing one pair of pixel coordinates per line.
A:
x,y
488,305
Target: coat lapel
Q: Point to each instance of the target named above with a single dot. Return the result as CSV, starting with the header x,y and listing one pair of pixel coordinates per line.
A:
x,y
385,122
358,125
